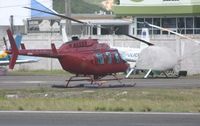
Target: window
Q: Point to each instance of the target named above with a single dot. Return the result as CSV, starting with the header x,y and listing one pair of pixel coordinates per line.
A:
x,y
197,25
109,57
181,22
181,25
169,22
189,22
140,21
116,56
149,20
197,22
156,21
189,25
100,59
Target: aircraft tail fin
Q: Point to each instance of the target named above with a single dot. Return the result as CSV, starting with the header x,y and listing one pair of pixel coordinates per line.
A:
x,y
14,49
18,40
144,36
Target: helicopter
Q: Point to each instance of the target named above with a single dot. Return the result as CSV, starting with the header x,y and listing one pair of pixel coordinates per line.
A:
x,y
82,57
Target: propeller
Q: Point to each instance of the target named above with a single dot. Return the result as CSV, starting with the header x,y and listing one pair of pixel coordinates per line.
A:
x,y
146,42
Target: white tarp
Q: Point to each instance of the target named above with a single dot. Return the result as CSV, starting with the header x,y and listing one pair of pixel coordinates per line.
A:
x,y
157,58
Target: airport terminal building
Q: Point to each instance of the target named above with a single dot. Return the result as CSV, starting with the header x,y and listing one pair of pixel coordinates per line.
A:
x,y
182,16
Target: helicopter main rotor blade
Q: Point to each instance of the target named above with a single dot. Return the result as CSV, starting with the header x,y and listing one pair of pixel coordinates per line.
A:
x,y
173,32
146,42
59,15
65,17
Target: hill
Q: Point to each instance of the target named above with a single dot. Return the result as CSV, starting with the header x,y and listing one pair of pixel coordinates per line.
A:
x,y
79,6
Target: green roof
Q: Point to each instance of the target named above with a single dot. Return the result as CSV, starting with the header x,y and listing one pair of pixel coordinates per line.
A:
x,y
156,10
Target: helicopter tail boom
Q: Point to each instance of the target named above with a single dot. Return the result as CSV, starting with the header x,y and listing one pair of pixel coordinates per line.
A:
x,y
49,53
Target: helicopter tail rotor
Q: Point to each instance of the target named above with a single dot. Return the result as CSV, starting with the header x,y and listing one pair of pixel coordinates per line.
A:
x,y
14,50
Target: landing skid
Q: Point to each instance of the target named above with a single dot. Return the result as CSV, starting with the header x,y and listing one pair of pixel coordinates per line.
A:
x,y
96,81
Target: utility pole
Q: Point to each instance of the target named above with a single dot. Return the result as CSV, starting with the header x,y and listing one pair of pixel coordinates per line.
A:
x,y
68,14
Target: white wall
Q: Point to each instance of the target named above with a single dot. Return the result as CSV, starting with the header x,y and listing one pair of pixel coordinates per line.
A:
x,y
155,2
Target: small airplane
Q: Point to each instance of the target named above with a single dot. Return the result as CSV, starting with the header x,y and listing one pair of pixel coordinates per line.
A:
x,y
5,57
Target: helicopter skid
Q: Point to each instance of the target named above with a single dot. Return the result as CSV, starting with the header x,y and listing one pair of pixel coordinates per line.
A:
x,y
98,81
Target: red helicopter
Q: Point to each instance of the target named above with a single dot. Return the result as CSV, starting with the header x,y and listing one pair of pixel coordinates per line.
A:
x,y
82,57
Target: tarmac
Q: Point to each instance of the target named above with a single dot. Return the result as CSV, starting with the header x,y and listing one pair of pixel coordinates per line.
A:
x,y
17,82
62,118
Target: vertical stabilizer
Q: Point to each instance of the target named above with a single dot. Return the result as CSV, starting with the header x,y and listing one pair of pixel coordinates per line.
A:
x,y
18,40
144,36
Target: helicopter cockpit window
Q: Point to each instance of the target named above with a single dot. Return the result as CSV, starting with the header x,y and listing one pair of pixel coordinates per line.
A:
x,y
100,58
116,56
108,57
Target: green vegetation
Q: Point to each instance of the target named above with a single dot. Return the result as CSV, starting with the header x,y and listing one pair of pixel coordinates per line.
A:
x,y
78,6
124,99
95,2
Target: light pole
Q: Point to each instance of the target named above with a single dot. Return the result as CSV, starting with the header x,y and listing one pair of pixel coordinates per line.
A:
x,y
68,14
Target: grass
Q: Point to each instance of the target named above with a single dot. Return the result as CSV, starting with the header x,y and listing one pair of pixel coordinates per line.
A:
x,y
125,99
